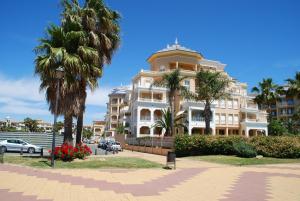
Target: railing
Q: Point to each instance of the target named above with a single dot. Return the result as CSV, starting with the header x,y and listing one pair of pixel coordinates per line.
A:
x,y
145,118
40,139
164,142
198,118
152,100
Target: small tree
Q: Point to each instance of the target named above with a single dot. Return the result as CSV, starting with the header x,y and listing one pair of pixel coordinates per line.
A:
x,y
165,122
276,127
120,129
30,124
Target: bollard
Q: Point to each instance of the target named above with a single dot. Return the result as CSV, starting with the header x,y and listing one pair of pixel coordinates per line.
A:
x,y
1,155
105,151
21,152
95,151
42,152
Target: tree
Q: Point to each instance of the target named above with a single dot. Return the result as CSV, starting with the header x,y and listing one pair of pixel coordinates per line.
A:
x,y
210,86
276,127
30,124
101,33
58,126
120,129
166,120
86,40
267,94
87,133
172,81
294,86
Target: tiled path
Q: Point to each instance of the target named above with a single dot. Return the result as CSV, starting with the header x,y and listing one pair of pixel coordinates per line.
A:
x,y
192,180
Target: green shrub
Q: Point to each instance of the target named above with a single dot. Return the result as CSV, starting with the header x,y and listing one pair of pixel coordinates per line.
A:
x,y
276,127
268,146
245,150
277,146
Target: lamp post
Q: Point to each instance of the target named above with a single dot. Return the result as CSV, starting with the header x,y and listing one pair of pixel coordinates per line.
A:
x,y
59,73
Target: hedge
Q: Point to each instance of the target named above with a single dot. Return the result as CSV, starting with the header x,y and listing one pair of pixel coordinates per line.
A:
x,y
269,146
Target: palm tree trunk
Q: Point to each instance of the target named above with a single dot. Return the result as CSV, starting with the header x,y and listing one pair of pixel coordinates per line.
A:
x,y
207,117
171,98
79,127
68,138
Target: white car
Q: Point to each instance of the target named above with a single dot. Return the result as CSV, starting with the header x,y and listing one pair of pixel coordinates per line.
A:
x,y
17,144
114,146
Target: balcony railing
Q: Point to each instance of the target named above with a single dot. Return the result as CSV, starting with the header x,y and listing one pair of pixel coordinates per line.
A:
x,y
145,118
198,118
152,100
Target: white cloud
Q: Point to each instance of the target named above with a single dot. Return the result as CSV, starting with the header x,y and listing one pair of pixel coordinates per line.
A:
x,y
24,89
22,97
99,97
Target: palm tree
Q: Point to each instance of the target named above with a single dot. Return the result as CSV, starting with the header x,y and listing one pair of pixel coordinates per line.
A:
x,y
172,81
210,86
51,53
165,122
101,28
267,94
294,86
85,42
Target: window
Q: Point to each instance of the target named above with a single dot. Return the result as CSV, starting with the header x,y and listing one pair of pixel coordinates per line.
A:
x,y
229,103
187,84
223,119
162,68
230,119
236,119
217,118
222,103
235,103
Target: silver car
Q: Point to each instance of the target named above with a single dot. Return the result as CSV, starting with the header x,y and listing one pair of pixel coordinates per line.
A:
x,y
17,144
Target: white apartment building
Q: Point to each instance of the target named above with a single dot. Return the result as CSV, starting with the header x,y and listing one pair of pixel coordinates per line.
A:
x,y
237,115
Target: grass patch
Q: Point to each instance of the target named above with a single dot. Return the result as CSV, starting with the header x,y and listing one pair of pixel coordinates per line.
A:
x,y
234,160
107,162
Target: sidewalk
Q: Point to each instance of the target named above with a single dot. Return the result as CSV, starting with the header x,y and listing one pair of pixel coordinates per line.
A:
x,y
192,180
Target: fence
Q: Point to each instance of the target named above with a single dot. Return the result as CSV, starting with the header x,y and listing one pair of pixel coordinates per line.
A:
x,y
162,142
40,139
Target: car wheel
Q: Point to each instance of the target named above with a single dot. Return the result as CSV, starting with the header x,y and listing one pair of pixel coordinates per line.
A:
x,y
3,149
31,150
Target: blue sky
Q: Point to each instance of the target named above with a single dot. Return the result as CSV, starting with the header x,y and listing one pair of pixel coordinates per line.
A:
x,y
256,39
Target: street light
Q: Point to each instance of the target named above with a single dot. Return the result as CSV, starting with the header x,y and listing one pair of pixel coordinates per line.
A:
x,y
59,74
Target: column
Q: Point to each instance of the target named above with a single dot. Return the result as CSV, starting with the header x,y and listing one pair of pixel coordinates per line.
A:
x,y
266,131
255,132
213,131
247,132
151,131
226,131
176,64
190,120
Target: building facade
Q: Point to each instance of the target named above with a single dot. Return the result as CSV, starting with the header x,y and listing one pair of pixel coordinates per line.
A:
x,y
284,108
237,115
117,110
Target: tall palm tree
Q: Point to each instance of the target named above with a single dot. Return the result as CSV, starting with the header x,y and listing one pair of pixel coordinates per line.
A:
x,y
294,86
210,86
172,81
267,94
52,53
87,39
101,28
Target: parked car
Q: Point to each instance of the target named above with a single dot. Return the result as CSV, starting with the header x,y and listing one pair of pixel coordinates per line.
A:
x,y
114,146
102,144
17,144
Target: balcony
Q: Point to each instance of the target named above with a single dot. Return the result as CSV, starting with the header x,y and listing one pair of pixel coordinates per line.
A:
x,y
198,119
145,118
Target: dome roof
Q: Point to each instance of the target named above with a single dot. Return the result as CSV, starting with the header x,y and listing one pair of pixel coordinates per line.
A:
x,y
176,46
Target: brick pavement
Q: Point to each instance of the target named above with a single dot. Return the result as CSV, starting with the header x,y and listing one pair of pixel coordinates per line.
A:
x,y
192,180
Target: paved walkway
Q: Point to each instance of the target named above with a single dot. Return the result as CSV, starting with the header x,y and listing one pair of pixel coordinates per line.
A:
x,y
192,180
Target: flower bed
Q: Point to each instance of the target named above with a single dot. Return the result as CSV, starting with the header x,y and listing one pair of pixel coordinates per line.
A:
x,y
67,152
